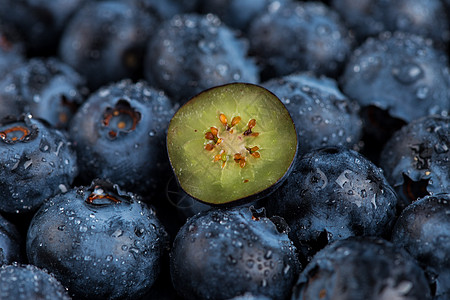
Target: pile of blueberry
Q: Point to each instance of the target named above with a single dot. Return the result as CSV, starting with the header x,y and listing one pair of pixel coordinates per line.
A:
x,y
90,207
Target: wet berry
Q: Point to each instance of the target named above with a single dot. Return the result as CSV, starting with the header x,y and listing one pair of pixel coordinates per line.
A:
x,y
10,243
191,53
220,254
331,194
323,116
119,134
105,41
416,159
100,242
238,13
46,88
401,73
24,282
423,229
298,36
362,268
37,162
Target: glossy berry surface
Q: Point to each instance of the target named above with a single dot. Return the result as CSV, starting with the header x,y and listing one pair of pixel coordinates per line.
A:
x,y
47,88
416,159
24,282
238,13
362,268
10,242
312,35
423,229
331,194
401,73
105,41
427,18
192,52
103,243
36,162
119,134
323,116
220,254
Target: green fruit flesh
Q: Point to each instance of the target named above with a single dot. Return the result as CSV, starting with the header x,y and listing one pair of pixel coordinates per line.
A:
x,y
218,158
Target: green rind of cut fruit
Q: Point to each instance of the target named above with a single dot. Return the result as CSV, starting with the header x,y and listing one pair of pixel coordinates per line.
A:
x,y
194,166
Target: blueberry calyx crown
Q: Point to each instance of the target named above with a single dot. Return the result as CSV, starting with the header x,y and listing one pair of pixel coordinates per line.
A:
x,y
14,130
121,119
227,141
104,193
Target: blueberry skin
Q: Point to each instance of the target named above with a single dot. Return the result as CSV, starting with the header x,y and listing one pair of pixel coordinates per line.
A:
x,y
323,116
166,9
40,22
427,18
50,89
100,242
401,73
362,17
24,282
416,159
220,254
134,156
191,53
362,268
423,229
105,41
36,162
331,194
300,36
10,243
238,13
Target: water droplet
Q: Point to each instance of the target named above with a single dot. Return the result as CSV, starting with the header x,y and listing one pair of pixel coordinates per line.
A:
x,y
407,73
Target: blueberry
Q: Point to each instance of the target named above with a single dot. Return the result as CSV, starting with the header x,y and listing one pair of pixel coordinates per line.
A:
x,y
423,229
191,53
401,73
105,41
238,13
220,254
416,159
10,243
49,89
119,134
331,194
24,282
362,268
323,116
427,18
299,36
40,22
36,162
101,242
